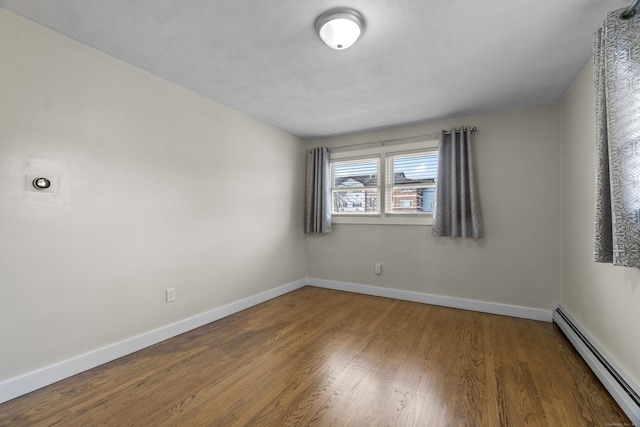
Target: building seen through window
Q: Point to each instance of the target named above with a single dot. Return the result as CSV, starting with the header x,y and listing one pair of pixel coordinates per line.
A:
x,y
409,184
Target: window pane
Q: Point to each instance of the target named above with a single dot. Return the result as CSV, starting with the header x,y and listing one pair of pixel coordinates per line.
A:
x,y
413,188
415,168
412,200
428,199
356,201
355,173
355,186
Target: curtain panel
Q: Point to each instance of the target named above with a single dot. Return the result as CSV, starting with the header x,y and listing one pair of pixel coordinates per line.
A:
x,y
318,200
616,77
457,210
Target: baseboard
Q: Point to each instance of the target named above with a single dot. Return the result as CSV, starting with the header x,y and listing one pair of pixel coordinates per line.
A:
x,y
31,381
619,384
465,304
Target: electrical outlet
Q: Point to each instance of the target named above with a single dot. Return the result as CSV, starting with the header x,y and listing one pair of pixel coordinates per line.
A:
x,y
171,294
377,268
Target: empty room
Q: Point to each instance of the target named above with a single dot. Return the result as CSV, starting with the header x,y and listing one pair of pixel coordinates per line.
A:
x,y
332,213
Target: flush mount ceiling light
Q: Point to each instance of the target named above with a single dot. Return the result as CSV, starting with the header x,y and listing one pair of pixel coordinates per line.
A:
x,y
340,28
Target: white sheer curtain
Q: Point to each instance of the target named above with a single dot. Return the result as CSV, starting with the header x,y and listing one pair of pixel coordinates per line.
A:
x,y
616,56
318,201
457,210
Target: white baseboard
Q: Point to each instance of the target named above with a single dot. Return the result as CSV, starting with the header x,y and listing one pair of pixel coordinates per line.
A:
x,y
14,387
613,377
34,380
465,304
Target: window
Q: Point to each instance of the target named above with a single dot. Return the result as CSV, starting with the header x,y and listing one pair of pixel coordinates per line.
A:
x,y
411,182
384,185
355,186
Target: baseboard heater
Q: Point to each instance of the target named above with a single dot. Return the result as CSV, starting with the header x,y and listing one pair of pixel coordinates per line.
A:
x,y
619,385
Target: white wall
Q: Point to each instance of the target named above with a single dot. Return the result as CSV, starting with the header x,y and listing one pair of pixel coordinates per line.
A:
x,y
159,188
518,263
604,299
148,173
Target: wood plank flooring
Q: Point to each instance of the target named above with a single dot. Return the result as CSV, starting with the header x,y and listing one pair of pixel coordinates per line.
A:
x,y
318,357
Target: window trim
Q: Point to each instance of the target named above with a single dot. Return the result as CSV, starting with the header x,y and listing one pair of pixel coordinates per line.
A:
x,y
390,186
383,218
378,188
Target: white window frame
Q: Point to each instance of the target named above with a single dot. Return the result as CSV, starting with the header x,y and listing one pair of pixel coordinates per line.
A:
x,y
391,186
378,188
350,153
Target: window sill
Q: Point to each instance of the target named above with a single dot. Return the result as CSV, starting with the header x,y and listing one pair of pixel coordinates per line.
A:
x,y
383,220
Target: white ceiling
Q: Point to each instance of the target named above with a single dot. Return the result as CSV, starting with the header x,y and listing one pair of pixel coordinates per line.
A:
x,y
417,60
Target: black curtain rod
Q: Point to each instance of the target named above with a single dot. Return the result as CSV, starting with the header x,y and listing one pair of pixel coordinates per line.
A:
x,y
630,12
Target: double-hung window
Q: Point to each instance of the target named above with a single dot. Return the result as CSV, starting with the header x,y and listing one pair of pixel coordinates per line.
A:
x,y
411,182
384,185
355,186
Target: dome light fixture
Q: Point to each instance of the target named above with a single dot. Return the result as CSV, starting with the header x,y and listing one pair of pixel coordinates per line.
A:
x,y
340,28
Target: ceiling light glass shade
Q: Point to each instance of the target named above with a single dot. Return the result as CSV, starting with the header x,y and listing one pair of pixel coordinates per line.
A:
x,y
340,28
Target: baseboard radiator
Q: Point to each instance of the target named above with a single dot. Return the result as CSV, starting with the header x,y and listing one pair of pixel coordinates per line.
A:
x,y
619,385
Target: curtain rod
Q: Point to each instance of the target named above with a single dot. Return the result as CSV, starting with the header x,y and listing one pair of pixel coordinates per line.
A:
x,y
630,12
398,140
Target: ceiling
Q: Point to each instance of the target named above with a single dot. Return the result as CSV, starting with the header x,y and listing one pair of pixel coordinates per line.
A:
x,y
417,59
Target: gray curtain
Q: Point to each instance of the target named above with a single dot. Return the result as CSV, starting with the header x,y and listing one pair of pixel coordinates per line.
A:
x,y
318,202
457,211
616,78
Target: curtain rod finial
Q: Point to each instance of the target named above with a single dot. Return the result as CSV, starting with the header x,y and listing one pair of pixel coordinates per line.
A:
x,y
628,14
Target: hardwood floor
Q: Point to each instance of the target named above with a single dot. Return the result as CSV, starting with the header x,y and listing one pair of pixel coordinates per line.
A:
x,y
323,357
